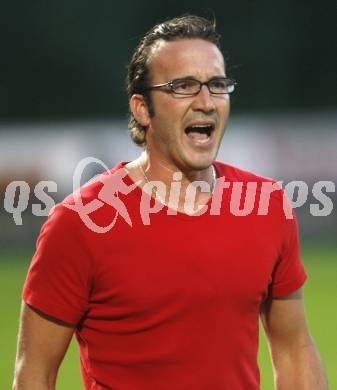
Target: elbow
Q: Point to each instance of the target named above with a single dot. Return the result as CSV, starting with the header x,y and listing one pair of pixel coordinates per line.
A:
x,y
27,377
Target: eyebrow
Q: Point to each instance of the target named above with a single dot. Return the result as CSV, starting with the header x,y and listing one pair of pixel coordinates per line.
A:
x,y
194,78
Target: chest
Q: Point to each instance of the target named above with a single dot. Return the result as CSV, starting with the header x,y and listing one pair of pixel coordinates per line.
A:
x,y
203,262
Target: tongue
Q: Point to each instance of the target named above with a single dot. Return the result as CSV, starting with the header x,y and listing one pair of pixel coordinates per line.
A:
x,y
196,136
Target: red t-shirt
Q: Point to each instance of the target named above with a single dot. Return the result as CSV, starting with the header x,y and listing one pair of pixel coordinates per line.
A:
x,y
173,304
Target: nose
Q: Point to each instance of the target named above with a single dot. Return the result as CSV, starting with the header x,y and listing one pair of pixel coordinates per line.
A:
x,y
203,101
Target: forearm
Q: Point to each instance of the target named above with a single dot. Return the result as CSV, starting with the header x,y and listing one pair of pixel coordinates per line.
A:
x,y
299,367
29,384
42,344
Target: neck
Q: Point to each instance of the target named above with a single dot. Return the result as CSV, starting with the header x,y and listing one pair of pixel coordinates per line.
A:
x,y
179,185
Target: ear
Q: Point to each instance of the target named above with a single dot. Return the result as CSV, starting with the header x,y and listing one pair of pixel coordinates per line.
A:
x,y
139,109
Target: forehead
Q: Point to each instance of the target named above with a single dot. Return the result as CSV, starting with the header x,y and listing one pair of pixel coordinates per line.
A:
x,y
185,57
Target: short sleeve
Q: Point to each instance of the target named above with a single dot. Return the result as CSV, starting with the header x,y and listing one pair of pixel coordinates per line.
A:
x,y
289,274
58,279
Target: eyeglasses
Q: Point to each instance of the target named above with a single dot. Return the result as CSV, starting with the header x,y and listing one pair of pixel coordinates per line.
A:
x,y
191,87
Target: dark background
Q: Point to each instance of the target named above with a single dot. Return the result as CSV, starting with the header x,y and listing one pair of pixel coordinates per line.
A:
x,y
67,59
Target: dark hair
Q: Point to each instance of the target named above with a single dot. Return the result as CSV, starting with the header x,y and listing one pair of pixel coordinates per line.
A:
x,y
186,26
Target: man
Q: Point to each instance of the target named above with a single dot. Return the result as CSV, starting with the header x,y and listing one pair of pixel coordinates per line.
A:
x,y
171,300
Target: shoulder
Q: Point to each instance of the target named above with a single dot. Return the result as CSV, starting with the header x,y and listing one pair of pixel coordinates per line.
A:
x,y
234,174
268,191
88,205
89,192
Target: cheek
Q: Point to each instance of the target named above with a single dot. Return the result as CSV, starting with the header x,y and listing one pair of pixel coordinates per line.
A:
x,y
223,109
168,106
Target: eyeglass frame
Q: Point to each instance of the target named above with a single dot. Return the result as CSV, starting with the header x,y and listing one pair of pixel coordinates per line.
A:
x,y
170,85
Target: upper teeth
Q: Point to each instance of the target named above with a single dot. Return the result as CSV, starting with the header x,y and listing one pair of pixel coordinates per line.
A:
x,y
201,125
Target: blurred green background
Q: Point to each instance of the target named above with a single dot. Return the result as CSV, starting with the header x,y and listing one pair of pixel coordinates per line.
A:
x,y
62,98
320,296
283,53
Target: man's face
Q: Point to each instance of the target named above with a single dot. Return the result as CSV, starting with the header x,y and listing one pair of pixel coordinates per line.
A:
x,y
170,138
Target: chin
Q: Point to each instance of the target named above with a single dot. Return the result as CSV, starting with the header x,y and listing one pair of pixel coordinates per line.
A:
x,y
200,164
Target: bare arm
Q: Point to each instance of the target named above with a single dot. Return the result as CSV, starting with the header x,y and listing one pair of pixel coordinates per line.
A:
x,y
42,344
296,361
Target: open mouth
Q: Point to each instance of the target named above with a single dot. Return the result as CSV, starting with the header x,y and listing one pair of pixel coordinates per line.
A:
x,y
199,133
